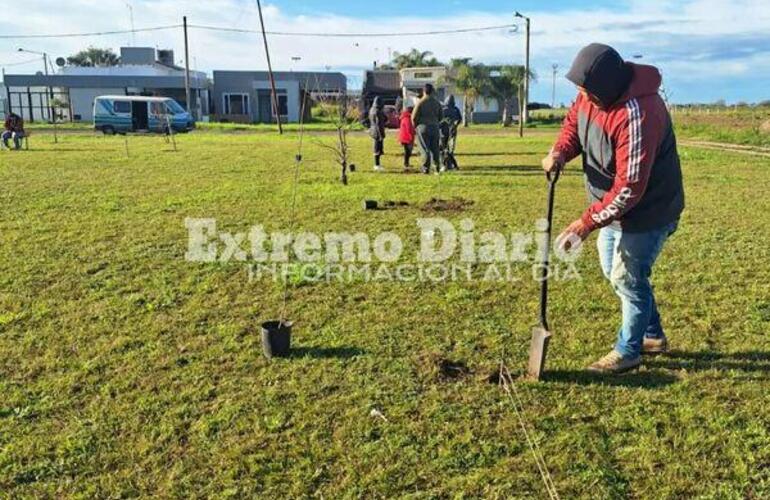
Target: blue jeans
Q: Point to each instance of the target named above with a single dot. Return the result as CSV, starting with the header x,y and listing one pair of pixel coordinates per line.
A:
x,y
17,137
627,260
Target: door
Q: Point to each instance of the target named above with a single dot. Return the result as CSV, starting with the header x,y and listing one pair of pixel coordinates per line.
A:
x,y
159,119
265,106
140,115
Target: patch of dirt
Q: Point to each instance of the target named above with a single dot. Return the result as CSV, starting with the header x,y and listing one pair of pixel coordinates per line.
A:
x,y
765,127
435,367
494,377
451,370
454,205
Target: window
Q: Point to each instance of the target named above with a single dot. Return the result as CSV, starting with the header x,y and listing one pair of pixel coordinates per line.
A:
x,y
157,108
425,75
235,104
174,107
121,106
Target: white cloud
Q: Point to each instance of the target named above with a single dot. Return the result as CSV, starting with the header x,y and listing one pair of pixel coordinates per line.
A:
x,y
656,29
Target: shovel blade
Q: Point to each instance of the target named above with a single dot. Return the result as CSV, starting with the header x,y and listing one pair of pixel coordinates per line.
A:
x,y
538,350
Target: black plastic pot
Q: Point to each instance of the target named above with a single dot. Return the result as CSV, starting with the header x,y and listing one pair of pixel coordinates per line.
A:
x,y
370,205
276,338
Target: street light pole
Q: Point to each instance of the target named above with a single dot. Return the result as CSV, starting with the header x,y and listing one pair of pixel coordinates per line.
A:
x,y
187,67
525,107
555,68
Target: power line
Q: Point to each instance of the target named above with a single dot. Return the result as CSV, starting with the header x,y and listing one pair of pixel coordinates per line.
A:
x,y
94,33
37,59
358,35
274,33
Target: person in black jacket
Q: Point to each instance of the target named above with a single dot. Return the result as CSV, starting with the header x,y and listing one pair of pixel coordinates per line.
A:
x,y
449,126
377,121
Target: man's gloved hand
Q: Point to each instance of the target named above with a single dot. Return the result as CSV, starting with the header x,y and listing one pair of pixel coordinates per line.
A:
x,y
554,162
573,236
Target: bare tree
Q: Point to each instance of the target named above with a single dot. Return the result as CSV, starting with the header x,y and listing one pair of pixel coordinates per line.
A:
x,y
342,115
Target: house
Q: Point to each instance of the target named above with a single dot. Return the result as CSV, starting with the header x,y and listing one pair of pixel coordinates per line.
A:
x,y
486,109
246,96
413,80
141,71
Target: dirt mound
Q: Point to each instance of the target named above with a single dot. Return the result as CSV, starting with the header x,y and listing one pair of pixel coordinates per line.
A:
x,y
454,205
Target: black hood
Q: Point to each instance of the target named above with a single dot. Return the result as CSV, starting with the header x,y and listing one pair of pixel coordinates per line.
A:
x,y
601,71
450,101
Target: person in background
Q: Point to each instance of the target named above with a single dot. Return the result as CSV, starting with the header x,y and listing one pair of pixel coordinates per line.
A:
x,y
14,129
621,127
426,117
449,126
377,122
406,135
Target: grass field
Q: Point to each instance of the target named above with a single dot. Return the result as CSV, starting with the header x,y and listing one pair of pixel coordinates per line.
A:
x,y
126,371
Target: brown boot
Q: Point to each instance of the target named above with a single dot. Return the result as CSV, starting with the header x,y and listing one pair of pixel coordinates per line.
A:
x,y
615,363
655,346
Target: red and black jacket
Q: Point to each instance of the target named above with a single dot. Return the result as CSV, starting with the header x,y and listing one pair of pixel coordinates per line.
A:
x,y
630,158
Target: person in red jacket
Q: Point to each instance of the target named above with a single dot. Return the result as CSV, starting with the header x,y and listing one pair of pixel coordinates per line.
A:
x,y
406,135
621,127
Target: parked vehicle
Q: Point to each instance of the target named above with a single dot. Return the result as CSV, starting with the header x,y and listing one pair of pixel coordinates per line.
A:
x,y
121,114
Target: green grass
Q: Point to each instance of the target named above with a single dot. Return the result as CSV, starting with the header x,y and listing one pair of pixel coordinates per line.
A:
x,y
746,126
126,371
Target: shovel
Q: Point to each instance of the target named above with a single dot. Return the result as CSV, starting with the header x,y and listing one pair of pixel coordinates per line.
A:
x,y
541,335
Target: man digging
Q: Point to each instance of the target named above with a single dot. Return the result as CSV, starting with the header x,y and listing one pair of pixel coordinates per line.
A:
x,y
623,130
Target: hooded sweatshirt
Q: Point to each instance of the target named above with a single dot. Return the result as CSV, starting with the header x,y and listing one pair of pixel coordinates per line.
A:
x,y
630,160
377,120
14,123
451,111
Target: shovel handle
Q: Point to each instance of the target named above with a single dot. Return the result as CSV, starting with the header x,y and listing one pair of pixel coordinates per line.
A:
x,y
553,178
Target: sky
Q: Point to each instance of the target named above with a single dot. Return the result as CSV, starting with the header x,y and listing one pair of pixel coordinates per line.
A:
x,y
707,50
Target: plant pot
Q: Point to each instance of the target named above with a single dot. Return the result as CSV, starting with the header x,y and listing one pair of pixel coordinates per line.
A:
x,y
276,338
370,205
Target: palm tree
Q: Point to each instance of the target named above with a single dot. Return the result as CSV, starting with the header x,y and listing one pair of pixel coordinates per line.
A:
x,y
504,85
414,59
473,81
94,56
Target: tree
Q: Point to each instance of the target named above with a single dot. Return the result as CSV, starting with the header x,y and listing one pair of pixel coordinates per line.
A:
x,y
504,86
414,59
344,117
93,56
473,81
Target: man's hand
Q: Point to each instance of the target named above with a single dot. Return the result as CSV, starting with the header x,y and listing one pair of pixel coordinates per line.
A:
x,y
554,162
573,236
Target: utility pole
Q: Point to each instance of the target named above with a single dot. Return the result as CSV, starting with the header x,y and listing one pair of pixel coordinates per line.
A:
x,y
521,109
276,107
48,96
186,67
555,67
51,107
526,69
